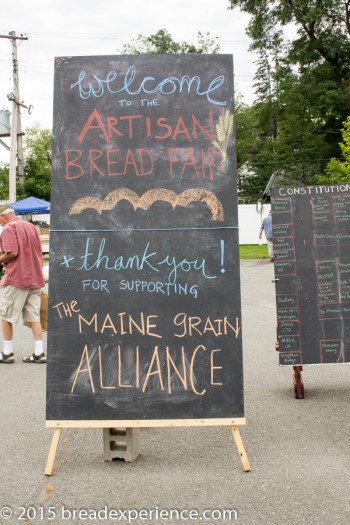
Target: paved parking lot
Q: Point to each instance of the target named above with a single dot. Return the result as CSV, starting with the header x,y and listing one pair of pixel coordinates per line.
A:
x,y
299,450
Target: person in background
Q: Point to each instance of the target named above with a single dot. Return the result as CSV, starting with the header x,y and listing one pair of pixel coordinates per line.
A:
x,y
22,283
267,228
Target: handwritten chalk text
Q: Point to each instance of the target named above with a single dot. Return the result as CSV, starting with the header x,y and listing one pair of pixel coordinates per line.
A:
x,y
160,129
159,287
203,163
147,260
167,369
113,84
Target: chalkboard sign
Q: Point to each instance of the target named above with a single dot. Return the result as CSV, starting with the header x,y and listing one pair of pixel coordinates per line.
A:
x,y
311,237
144,295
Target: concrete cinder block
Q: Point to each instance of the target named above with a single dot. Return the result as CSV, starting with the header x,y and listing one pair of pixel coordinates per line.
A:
x,y
123,443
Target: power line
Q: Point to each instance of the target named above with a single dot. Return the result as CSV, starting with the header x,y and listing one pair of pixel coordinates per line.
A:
x,y
290,163
220,39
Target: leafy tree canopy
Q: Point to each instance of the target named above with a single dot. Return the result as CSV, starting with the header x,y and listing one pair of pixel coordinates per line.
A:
x,y
37,164
37,152
298,111
247,131
162,43
322,32
338,171
4,181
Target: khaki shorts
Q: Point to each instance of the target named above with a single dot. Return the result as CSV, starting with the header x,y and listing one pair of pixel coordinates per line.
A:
x,y
16,301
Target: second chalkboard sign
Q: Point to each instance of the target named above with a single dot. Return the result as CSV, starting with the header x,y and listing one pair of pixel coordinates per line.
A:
x,y
312,266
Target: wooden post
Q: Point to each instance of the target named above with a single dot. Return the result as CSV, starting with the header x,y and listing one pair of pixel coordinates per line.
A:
x,y
13,154
16,102
16,150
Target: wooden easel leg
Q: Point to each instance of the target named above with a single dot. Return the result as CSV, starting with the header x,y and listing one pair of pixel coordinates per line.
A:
x,y
240,448
53,451
298,382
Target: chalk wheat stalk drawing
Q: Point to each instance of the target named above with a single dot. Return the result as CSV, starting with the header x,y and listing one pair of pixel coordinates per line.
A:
x,y
224,128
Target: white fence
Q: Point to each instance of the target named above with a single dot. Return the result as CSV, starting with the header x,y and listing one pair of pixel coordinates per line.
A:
x,y
250,217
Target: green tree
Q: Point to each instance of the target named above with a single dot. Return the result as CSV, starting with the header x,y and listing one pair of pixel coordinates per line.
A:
x,y
163,43
4,181
288,133
338,171
251,182
271,67
310,116
301,101
247,131
322,32
37,163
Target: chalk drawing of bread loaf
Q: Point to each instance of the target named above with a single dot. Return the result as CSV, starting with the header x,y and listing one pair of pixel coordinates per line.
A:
x,y
148,198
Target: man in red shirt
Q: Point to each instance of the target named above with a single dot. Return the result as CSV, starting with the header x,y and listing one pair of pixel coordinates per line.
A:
x,y
22,282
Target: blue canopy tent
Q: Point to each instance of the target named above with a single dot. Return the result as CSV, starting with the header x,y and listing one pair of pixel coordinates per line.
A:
x,y
31,205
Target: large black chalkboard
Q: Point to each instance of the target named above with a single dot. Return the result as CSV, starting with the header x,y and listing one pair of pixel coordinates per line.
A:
x,y
144,294
311,236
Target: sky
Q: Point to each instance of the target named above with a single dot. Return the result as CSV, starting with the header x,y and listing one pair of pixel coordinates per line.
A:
x,y
101,27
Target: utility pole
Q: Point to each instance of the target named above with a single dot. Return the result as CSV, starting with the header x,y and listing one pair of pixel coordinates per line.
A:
x,y
16,148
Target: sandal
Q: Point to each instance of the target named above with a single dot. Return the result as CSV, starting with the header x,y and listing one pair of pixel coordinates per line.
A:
x,y
7,358
35,359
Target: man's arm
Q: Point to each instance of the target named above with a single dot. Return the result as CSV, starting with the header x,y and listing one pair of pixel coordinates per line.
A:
x,y
39,247
7,257
261,228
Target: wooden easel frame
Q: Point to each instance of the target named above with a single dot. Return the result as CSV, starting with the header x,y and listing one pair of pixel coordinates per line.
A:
x,y
58,426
